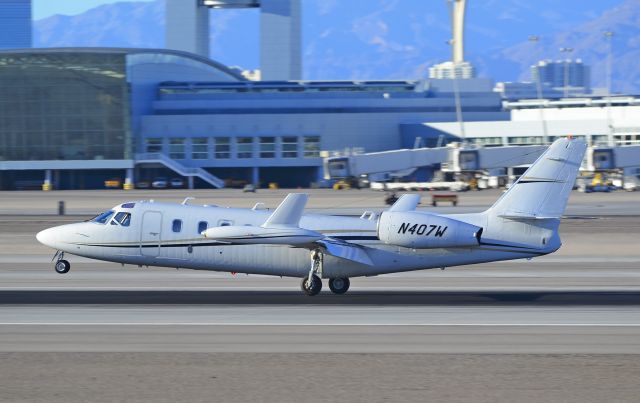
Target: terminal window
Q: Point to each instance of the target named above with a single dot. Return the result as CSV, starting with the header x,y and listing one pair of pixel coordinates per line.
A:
x,y
176,148
525,140
222,148
267,147
290,147
486,141
199,148
153,145
244,147
311,146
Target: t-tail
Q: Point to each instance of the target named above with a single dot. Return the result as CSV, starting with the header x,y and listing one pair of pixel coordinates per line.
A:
x,y
529,212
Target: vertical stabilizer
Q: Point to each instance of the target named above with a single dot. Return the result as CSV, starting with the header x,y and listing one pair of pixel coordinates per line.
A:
x,y
407,202
542,192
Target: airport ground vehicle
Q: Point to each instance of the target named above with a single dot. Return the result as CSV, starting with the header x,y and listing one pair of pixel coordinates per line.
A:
x,y
113,184
523,223
176,183
449,198
160,183
249,188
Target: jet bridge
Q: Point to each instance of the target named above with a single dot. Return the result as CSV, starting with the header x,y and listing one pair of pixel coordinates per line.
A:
x,y
452,158
405,160
604,158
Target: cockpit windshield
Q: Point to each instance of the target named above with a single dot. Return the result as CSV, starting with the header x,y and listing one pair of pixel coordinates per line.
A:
x,y
102,218
122,218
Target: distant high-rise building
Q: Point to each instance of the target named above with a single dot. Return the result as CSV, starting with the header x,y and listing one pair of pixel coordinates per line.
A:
x,y
187,29
450,70
15,24
569,76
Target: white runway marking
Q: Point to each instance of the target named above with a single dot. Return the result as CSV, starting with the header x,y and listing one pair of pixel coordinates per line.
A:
x,y
316,324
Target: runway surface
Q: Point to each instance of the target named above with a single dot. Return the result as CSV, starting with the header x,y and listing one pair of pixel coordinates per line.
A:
x,y
583,299
564,327
267,321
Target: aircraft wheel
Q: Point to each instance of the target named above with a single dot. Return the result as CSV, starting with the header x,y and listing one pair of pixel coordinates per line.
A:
x,y
313,288
339,285
62,266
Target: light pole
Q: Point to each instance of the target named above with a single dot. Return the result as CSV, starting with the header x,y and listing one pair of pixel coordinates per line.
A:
x,y
608,36
545,132
457,11
566,70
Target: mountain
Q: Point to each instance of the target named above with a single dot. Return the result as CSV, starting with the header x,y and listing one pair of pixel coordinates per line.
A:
x,y
588,42
390,39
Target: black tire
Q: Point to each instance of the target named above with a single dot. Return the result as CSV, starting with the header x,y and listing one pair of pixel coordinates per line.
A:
x,y
314,288
62,266
339,285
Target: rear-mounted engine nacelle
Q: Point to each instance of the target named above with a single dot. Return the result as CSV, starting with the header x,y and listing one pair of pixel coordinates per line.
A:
x,y
425,231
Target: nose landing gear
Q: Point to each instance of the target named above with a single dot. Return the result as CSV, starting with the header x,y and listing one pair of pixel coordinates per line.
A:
x,y
62,266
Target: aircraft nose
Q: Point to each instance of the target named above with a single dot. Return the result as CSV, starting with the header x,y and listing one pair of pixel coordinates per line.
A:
x,y
47,237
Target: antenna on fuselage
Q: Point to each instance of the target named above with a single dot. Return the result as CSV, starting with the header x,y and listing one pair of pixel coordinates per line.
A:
x,y
186,200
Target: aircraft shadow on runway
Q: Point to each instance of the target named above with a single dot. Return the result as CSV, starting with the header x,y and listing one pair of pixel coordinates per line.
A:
x,y
353,298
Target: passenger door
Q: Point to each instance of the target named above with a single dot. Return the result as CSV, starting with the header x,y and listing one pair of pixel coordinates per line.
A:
x,y
151,233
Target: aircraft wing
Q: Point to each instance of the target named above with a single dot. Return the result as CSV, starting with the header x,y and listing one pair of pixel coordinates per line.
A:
x,y
282,228
345,250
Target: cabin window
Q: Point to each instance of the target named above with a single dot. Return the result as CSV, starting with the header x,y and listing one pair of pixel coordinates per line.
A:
x,y
224,223
122,218
177,225
102,218
202,226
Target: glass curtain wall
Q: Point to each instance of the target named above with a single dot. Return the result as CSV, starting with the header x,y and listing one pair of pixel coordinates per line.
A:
x,y
63,106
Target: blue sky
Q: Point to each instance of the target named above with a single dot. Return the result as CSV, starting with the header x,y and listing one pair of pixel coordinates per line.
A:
x,y
47,8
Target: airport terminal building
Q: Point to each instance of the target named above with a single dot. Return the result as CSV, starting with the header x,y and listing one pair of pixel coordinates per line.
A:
x,y
75,117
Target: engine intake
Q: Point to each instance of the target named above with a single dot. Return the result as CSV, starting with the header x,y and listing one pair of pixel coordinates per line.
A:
x,y
426,231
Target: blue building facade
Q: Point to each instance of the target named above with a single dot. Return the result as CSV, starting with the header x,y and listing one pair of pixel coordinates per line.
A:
x,y
15,24
259,131
137,114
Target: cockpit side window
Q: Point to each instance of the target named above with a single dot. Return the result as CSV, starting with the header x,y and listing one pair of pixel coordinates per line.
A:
x,y
122,218
103,218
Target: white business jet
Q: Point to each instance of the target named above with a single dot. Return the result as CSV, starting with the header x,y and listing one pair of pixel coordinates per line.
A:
x,y
523,223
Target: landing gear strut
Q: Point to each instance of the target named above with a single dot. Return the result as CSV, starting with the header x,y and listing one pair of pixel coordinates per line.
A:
x,y
339,285
62,266
312,284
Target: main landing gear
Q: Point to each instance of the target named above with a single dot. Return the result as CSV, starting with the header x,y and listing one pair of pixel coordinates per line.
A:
x,y
339,285
62,266
312,284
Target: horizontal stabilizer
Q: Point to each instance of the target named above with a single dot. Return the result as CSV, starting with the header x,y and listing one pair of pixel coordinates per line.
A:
x,y
407,202
527,217
289,212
